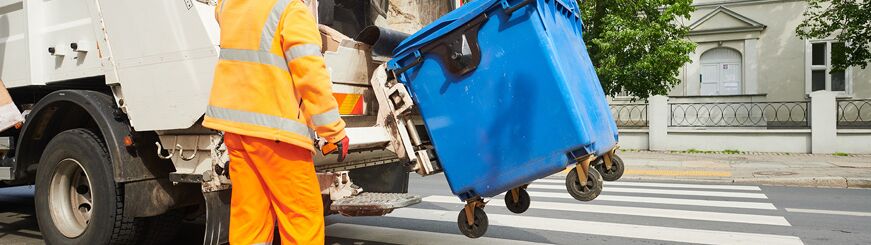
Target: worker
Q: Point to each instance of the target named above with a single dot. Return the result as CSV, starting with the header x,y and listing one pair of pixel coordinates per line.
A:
x,y
271,87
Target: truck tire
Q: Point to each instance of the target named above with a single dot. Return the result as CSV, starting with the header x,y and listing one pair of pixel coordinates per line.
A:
x,y
77,199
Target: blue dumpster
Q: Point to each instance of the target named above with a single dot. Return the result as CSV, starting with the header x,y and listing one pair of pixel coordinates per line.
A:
x,y
507,92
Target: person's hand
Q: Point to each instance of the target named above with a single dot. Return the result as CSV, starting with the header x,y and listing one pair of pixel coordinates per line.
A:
x,y
340,146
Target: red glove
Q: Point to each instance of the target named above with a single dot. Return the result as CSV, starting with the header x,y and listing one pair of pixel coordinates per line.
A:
x,y
341,146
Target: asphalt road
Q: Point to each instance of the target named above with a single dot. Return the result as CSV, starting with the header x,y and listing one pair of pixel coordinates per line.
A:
x,y
625,213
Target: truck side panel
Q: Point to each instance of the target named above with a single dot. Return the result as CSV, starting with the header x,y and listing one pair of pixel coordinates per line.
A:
x,y
161,49
14,62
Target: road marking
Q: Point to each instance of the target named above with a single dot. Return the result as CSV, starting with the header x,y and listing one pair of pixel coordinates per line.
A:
x,y
661,191
663,200
605,229
677,172
402,236
650,184
637,211
835,212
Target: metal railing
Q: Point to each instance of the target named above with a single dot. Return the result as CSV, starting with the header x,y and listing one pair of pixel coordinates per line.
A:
x,y
788,114
854,113
630,115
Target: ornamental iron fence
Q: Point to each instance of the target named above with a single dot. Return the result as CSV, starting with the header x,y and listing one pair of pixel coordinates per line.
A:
x,y
777,115
630,115
854,114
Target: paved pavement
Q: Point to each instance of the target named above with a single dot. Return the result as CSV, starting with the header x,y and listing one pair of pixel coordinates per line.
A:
x,y
627,212
765,169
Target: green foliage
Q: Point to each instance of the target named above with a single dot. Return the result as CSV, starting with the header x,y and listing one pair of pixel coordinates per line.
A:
x,y
637,46
840,154
731,152
727,151
848,21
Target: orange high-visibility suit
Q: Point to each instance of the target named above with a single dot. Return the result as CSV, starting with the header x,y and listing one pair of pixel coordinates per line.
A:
x,y
271,86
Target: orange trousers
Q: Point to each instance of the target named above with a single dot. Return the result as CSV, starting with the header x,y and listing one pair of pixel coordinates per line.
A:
x,y
273,182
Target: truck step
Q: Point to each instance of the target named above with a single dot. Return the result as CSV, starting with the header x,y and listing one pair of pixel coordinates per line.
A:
x,y
5,173
373,204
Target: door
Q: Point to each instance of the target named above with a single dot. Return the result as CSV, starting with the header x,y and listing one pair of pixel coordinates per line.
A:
x,y
730,79
721,72
710,79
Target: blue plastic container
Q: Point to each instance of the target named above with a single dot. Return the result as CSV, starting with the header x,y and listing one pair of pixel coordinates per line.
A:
x,y
507,91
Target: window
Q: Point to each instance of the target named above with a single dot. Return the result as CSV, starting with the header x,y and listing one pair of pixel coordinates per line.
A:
x,y
819,74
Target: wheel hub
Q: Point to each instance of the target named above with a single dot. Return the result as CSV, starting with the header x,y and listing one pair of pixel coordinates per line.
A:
x,y
70,198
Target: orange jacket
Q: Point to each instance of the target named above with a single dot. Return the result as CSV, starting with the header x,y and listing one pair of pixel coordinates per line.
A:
x,y
271,81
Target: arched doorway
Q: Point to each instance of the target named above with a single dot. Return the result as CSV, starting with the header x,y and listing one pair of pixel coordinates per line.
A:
x,y
721,72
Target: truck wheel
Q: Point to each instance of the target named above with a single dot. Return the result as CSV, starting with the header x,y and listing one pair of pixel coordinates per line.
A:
x,y
77,199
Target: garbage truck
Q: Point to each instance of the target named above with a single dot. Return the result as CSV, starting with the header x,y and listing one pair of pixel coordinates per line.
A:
x,y
114,93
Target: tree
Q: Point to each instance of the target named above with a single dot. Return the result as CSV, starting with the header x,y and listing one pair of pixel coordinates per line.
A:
x,y
849,21
637,46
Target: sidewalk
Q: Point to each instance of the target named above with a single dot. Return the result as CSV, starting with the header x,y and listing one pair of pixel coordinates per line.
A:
x,y
762,168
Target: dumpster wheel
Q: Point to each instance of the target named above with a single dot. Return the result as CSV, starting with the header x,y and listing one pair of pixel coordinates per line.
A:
x,y
616,170
517,200
472,220
586,192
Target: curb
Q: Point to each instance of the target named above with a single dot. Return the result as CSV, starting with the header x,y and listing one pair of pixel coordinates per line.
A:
x,y
824,182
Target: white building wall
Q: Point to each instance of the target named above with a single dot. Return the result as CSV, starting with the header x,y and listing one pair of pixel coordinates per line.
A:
x,y
774,58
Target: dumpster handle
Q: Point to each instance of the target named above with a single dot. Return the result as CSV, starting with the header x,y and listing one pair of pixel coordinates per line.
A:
x,y
446,49
510,10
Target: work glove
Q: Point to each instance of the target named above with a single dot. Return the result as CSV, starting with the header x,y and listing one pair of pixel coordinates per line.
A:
x,y
340,146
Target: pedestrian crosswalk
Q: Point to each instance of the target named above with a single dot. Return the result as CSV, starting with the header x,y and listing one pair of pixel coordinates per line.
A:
x,y
625,212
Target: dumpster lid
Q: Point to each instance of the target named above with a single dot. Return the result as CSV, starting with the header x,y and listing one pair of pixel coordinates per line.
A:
x,y
447,23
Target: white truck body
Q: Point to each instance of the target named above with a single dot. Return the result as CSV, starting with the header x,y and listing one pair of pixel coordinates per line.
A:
x,y
158,57
156,60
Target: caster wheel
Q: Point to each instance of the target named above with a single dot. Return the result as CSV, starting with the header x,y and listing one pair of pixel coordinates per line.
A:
x,y
616,170
584,193
478,228
522,202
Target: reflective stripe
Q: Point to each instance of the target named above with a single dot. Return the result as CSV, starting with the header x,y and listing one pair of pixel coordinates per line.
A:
x,y
258,119
326,118
223,3
302,50
262,57
269,29
262,243
221,11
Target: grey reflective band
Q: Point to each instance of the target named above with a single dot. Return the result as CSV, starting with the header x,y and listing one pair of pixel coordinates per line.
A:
x,y
326,118
262,57
269,29
221,11
302,50
262,243
223,3
258,119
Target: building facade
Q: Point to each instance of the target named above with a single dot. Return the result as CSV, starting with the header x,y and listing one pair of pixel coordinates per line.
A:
x,y
748,51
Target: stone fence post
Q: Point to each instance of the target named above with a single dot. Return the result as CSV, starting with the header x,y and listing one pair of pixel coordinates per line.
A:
x,y
657,122
824,122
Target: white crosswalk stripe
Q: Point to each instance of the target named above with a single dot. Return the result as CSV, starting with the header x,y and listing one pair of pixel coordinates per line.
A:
x,y
607,229
403,236
664,200
650,212
671,185
735,205
662,191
